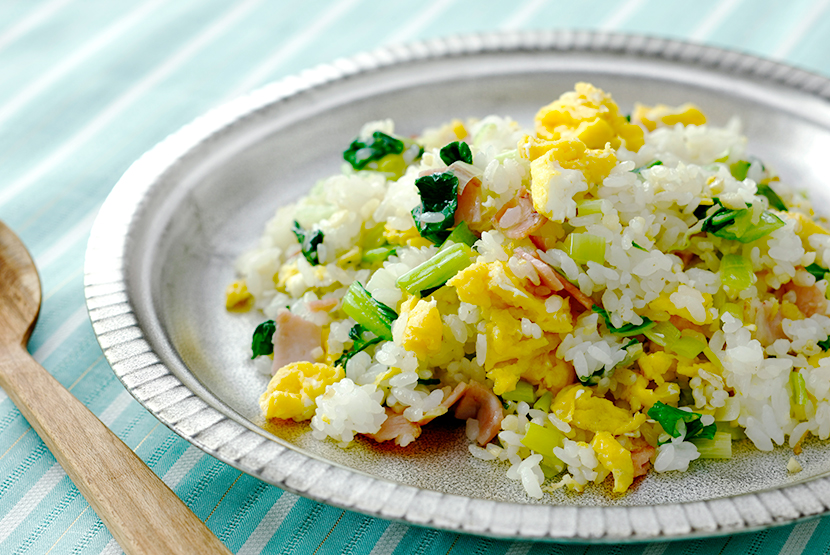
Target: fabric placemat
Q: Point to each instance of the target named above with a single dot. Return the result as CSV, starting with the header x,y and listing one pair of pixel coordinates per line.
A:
x,y
87,86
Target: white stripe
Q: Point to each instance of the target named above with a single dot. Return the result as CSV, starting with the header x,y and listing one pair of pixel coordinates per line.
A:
x,y
112,548
78,232
75,321
265,70
389,540
417,24
181,467
797,33
116,408
714,19
75,59
655,549
622,15
799,537
30,500
269,525
109,113
36,18
519,548
524,13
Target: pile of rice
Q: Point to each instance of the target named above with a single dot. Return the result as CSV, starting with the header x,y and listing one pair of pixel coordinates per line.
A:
x,y
658,265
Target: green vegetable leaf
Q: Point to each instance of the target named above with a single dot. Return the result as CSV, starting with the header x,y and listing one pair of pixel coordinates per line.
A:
x,y
458,150
370,313
817,270
774,200
439,200
361,152
262,342
309,241
647,166
359,343
739,169
825,344
636,246
428,381
737,225
626,329
680,423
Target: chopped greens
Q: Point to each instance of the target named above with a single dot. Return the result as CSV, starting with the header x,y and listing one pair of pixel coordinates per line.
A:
x,y
370,313
680,423
719,447
262,342
626,329
455,151
359,343
736,272
428,381
461,234
361,152
636,246
379,254
523,392
543,440
799,388
737,225
435,272
543,403
739,169
647,166
585,247
439,200
309,241
824,344
774,200
664,334
817,270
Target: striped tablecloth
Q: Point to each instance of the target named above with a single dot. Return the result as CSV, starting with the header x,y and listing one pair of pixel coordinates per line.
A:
x,y
86,86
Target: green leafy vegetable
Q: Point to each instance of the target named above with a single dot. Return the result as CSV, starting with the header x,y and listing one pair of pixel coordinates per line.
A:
x,y
359,343
379,254
636,246
543,403
524,392
361,152
680,423
719,447
736,272
739,169
664,334
309,241
737,225
544,440
461,234
647,166
799,388
456,151
774,200
428,381
817,270
626,329
262,342
370,313
439,200
585,247
436,271
824,344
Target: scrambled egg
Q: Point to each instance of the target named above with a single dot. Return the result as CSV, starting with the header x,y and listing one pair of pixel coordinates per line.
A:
x,y
237,296
560,168
504,301
590,115
409,237
423,332
615,458
576,405
651,117
292,391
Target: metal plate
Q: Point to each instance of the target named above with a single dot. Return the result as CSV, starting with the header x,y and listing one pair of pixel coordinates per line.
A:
x,y
162,250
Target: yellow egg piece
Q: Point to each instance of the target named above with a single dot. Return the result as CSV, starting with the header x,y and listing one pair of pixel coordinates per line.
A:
x,y
576,405
655,365
615,458
590,115
237,296
408,237
641,397
294,388
651,117
666,304
423,332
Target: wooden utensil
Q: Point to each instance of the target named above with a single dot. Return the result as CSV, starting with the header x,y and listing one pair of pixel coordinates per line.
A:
x,y
141,512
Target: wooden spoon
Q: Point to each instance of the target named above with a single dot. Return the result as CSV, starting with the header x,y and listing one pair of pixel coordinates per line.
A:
x,y
141,512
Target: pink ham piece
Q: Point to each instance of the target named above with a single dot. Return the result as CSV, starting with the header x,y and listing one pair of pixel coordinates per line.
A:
x,y
809,300
641,457
767,318
323,305
469,204
554,280
482,404
398,428
517,218
295,339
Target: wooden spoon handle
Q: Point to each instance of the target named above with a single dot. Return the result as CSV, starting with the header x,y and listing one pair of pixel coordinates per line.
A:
x,y
140,511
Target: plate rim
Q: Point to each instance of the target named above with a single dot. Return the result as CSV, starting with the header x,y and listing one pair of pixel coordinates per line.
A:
x,y
158,390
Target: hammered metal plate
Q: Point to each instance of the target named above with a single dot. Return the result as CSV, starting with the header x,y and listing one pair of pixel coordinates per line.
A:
x,y
162,251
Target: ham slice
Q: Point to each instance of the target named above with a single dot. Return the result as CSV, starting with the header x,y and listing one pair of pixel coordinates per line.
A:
x,y
641,457
482,404
518,219
469,204
554,280
295,339
323,305
397,428
809,300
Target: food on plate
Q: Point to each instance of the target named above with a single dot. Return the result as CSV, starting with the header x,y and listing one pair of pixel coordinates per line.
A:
x,y
598,297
